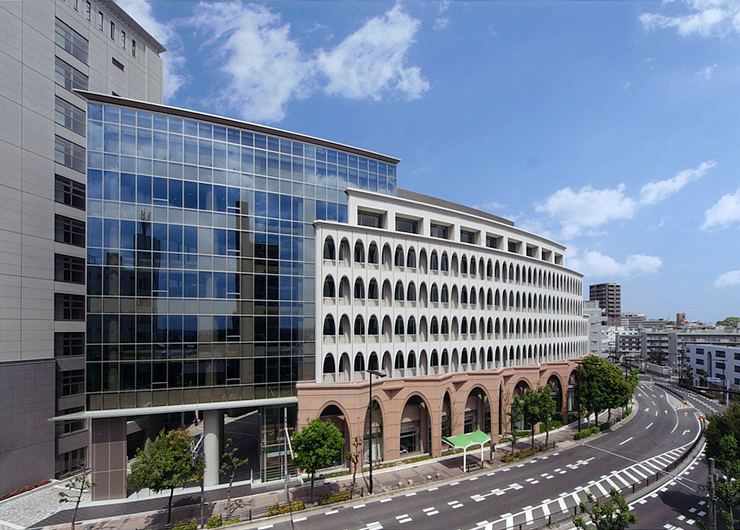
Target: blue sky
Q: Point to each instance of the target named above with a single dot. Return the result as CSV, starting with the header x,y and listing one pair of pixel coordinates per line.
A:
x,y
611,127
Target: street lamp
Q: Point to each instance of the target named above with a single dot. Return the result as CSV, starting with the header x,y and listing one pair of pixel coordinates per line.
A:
x,y
380,375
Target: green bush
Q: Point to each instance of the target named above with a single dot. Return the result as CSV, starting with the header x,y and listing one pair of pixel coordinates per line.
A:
x,y
189,524
231,521
595,430
335,497
605,426
585,433
215,521
277,509
555,424
628,411
507,458
526,453
544,448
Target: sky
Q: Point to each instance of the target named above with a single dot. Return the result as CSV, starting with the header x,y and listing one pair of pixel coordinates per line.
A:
x,y
610,127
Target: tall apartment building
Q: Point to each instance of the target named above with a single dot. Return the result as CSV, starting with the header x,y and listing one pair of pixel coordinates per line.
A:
x,y
160,263
47,51
596,324
609,296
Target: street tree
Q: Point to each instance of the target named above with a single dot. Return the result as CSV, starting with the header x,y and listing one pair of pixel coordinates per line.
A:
x,y
77,486
729,321
722,436
531,409
515,416
355,461
609,515
229,464
548,408
166,464
318,445
591,386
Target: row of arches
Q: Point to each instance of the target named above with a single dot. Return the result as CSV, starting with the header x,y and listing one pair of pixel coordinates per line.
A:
x,y
346,367
472,328
449,263
503,299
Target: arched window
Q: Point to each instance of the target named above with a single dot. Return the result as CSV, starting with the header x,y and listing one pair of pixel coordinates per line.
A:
x,y
372,326
411,294
473,327
445,295
373,293
330,251
464,265
329,327
472,295
359,289
434,294
472,266
464,356
434,261
411,326
329,288
372,254
329,364
359,252
434,360
464,295
434,327
399,361
445,326
464,326
359,364
399,292
398,328
411,259
359,326
489,269
398,259
445,265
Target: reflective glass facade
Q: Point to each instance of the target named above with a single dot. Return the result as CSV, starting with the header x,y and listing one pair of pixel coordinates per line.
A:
x,y
200,256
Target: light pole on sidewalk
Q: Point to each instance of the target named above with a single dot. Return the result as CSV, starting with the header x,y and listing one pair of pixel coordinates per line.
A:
x,y
379,375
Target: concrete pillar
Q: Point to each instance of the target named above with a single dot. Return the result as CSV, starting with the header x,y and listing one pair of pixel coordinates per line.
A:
x,y
213,428
108,459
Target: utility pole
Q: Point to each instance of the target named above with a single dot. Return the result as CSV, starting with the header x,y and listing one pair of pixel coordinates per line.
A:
x,y
712,500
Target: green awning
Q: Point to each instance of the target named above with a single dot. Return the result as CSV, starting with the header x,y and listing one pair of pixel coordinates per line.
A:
x,y
463,441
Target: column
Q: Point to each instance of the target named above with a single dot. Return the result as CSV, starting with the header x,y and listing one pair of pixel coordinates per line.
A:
x,y
213,427
108,459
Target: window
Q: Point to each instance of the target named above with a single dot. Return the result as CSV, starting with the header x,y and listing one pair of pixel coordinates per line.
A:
x,y
69,192
71,426
373,220
118,64
67,344
71,461
100,20
68,230
71,383
123,39
467,236
438,231
737,356
69,269
720,354
68,76
406,225
71,41
69,116
88,10
133,47
69,154
493,242
69,306
112,30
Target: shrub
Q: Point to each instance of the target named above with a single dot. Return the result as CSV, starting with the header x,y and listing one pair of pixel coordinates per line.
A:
x,y
188,524
507,458
605,426
277,509
628,411
555,424
526,453
215,521
544,448
231,521
24,489
595,430
585,433
335,497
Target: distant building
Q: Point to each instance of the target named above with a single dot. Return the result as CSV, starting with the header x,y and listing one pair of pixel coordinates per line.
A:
x,y
596,324
719,361
675,343
627,343
681,321
609,296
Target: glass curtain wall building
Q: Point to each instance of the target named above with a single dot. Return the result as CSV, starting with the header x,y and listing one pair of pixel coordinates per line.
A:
x,y
200,256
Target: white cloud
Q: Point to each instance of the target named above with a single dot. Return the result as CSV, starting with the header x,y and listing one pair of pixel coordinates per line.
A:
x,y
594,264
371,62
725,212
588,208
706,18
659,190
728,279
626,85
264,67
441,23
707,72
173,61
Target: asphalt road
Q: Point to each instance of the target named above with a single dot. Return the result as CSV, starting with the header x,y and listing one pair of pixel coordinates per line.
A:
x,y
527,493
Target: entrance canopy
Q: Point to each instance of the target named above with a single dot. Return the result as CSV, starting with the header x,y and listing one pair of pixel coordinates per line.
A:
x,y
465,441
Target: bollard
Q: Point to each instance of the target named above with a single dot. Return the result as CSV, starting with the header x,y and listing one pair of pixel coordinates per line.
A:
x,y
549,520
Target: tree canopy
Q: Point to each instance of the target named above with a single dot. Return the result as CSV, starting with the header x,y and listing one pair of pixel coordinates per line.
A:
x,y
722,435
166,464
606,515
729,321
318,445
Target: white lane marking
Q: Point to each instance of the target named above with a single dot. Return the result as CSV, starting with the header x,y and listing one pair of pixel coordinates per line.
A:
x,y
509,523
300,519
619,477
627,440
651,424
612,484
545,509
385,500
528,516
576,498
359,506
637,472
478,498
332,512
264,527
433,489
631,477
454,484
411,494
563,507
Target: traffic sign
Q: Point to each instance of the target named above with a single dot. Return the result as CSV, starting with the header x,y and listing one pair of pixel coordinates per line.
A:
x,y
714,379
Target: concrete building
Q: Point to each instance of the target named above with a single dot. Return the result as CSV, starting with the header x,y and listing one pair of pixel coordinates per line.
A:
x,y
720,362
47,51
609,296
179,267
596,324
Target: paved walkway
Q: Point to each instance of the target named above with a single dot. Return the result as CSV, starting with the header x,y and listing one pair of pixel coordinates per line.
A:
x,y
41,508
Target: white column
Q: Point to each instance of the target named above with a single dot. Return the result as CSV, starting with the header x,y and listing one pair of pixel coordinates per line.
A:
x,y
213,431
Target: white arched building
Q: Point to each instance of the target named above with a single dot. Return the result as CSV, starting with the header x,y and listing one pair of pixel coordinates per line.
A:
x,y
433,293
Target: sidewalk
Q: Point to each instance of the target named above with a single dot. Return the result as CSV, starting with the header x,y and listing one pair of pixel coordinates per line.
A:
x,y
255,500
